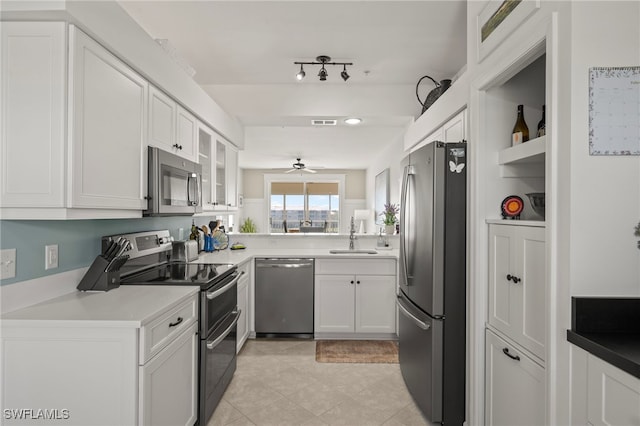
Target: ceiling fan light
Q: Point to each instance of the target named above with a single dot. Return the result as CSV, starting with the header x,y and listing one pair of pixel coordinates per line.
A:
x,y
353,120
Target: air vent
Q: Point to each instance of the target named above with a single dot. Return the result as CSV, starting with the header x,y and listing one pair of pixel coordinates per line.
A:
x,y
324,122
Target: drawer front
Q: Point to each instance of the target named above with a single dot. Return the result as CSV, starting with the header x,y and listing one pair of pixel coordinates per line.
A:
x,y
160,332
356,266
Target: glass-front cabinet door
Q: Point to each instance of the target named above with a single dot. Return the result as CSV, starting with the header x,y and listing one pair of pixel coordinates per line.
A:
x,y
221,174
206,158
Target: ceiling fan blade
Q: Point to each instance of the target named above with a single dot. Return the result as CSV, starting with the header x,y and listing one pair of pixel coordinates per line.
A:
x,y
309,170
291,170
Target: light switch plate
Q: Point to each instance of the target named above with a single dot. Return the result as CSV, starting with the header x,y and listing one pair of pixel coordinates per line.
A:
x,y
7,264
51,256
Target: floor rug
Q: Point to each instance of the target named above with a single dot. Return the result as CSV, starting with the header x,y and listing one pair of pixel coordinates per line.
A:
x,y
361,351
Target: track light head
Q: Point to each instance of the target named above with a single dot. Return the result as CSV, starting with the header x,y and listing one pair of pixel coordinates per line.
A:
x,y
323,74
300,74
344,74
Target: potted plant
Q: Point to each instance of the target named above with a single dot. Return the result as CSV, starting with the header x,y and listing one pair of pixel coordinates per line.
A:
x,y
390,217
248,227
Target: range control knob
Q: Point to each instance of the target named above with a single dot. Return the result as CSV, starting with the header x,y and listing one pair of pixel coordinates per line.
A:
x,y
165,240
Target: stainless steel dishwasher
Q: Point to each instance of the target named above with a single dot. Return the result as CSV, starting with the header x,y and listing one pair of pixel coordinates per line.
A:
x,y
284,297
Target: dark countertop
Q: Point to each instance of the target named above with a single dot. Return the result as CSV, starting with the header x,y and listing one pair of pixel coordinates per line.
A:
x,y
608,328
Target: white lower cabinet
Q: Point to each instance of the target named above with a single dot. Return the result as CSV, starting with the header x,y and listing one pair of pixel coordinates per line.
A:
x,y
244,288
92,373
514,385
362,302
517,284
168,391
613,396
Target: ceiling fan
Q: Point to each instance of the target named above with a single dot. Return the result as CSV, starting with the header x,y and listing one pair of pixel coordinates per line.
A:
x,y
298,166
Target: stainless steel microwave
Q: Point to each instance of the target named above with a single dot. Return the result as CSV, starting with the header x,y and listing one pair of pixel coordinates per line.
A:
x,y
174,185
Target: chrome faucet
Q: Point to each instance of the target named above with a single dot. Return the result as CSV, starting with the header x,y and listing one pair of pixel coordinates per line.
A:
x,y
352,232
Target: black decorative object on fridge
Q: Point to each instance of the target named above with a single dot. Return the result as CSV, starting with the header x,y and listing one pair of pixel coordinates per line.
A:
x,y
434,94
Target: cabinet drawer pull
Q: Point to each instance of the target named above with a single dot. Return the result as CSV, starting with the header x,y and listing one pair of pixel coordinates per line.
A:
x,y
178,321
507,353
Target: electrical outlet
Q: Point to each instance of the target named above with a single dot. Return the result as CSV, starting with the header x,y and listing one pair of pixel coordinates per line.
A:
x,y
51,256
7,264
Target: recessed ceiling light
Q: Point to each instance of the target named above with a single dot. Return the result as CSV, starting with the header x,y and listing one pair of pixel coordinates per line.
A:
x,y
353,120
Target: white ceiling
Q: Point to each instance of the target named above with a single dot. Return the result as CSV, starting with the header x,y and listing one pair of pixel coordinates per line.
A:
x,y
243,54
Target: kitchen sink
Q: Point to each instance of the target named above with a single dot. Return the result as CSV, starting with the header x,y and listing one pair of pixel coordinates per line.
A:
x,y
353,251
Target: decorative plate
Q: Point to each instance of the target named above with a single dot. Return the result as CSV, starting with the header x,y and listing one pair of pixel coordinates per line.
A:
x,y
512,207
220,240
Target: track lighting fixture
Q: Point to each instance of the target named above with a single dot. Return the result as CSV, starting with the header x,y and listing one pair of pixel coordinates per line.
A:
x,y
322,74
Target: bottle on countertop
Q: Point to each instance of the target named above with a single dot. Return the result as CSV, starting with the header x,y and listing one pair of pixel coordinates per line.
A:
x,y
541,125
520,132
195,234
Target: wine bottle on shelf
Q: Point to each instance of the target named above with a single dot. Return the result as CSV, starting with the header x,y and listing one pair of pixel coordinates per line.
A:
x,y
520,130
541,126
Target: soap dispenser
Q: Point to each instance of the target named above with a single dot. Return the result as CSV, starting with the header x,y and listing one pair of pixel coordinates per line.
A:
x,y
381,240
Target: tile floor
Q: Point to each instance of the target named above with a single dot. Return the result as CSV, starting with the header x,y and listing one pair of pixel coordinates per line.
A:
x,y
278,382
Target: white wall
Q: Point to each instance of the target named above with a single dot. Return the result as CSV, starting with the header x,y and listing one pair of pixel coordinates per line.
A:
x,y
390,158
605,190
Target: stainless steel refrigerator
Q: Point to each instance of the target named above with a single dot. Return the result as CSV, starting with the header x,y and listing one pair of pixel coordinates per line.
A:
x,y
431,300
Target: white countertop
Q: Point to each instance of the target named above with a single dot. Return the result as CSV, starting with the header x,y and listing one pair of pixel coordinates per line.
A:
x,y
240,256
129,306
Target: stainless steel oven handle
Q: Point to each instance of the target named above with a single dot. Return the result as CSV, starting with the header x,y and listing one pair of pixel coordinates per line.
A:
x,y
213,294
217,340
423,325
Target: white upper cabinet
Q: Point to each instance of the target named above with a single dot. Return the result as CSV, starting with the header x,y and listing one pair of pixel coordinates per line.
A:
x,y
162,119
232,176
171,127
186,134
33,73
219,160
108,113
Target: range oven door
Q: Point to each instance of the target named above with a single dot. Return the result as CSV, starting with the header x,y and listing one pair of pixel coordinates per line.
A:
x,y
217,364
217,302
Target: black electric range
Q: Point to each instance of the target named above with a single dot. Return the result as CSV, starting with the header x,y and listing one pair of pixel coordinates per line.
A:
x,y
150,263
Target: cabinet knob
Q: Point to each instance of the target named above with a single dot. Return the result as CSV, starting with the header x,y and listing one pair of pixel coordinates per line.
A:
x,y
513,278
358,282
175,145
351,281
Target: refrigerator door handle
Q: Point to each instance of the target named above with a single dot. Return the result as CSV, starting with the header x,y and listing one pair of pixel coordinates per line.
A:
x,y
423,325
408,171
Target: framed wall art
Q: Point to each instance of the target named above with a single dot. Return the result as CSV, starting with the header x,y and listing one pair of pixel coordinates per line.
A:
x,y
382,194
498,19
614,111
